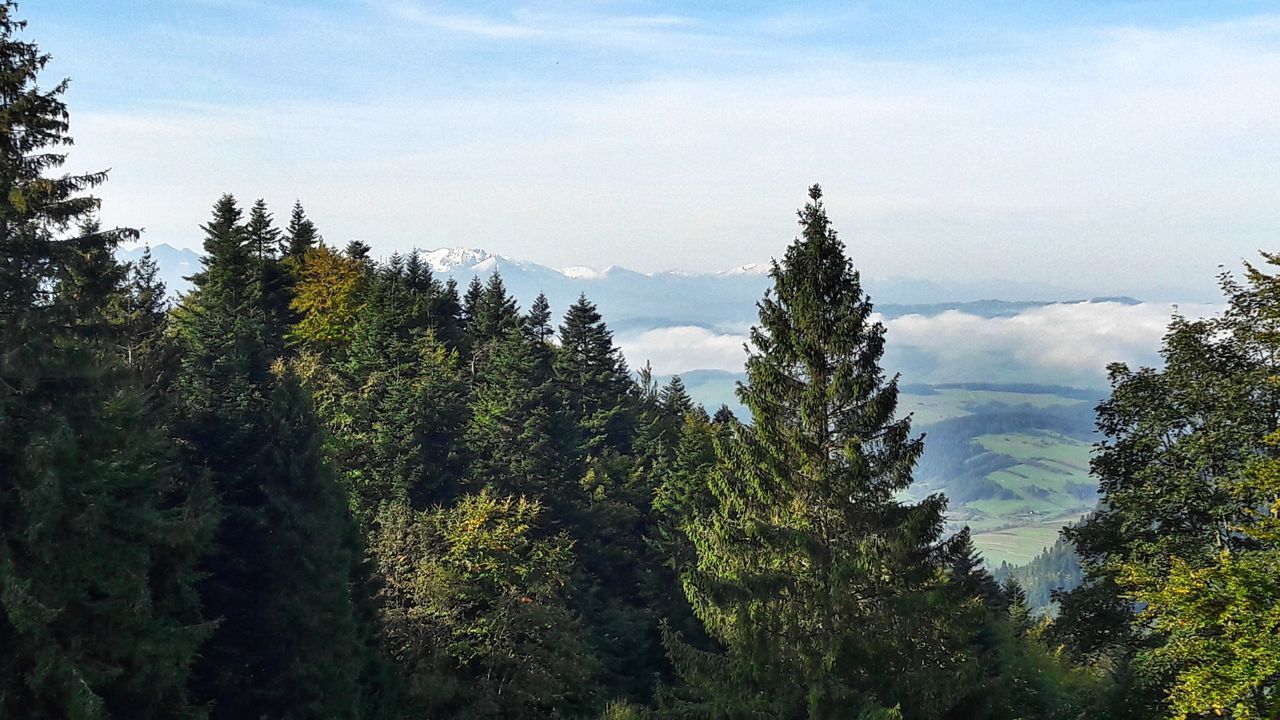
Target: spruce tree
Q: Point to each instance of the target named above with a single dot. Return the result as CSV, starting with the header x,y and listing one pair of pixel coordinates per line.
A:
x,y
496,312
300,235
471,302
396,408
539,319
99,527
280,580
811,570
519,439
596,383
277,292
143,316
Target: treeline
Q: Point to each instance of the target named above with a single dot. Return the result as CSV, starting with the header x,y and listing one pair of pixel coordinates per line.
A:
x,y
1055,570
323,486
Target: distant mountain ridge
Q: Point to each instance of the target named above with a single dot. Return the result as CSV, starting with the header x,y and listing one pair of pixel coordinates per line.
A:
x,y
630,300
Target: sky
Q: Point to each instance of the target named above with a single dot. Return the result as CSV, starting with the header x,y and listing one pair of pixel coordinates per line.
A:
x,y
1125,147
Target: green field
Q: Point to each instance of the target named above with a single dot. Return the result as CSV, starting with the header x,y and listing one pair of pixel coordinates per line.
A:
x,y
1018,545
1014,530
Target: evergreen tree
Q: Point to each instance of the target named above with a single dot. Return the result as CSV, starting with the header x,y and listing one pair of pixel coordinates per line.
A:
x,y
539,319
300,235
811,571
264,242
358,251
99,529
595,380
396,408
471,303
495,312
142,312
286,555
519,439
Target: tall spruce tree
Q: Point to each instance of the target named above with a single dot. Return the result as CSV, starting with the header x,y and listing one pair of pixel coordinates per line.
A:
x,y
596,383
99,532
811,570
280,580
496,312
395,405
300,235
264,240
471,302
539,319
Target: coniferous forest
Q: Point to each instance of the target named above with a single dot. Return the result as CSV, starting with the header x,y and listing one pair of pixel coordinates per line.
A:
x,y
321,485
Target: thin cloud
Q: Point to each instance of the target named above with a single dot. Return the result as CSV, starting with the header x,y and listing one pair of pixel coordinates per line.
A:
x,y
1078,160
683,348
1066,344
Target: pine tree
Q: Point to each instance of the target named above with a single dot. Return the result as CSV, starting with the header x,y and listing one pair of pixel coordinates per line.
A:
x,y
286,552
810,568
539,319
99,529
264,242
301,234
596,383
496,312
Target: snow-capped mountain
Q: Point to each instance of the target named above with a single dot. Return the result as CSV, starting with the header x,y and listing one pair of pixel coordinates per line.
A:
x,y
582,272
448,260
755,268
634,301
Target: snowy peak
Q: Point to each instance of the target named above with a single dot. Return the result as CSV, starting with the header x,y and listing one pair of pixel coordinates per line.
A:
x,y
755,268
476,261
444,260
582,272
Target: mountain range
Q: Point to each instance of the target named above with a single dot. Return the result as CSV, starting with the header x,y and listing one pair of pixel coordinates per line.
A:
x,y
632,300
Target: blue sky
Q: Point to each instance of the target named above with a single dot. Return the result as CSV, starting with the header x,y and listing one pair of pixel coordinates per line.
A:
x,y
1055,142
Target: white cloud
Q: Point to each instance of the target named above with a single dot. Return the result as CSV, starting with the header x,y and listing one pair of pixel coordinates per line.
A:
x,y
1075,163
683,348
1067,344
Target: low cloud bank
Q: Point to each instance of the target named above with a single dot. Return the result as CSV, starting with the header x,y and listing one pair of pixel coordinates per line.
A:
x,y
1069,344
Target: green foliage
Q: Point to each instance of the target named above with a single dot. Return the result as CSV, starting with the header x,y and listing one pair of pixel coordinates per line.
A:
x,y
1219,616
809,569
1174,476
518,436
476,615
593,375
300,236
393,400
100,528
286,555
1055,570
